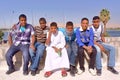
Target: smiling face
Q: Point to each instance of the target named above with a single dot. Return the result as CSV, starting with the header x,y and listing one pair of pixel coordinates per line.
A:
x,y
22,21
42,24
84,24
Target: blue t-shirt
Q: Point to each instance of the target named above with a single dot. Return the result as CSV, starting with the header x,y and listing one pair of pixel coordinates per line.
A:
x,y
69,37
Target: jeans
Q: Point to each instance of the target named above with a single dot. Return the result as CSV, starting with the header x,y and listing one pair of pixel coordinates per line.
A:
x,y
72,52
81,56
36,55
13,50
111,50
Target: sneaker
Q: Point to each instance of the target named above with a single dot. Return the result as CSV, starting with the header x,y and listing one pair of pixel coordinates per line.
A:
x,y
25,73
80,71
33,73
92,71
99,72
111,69
10,71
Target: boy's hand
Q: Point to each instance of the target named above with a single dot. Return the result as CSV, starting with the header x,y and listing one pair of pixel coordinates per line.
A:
x,y
56,49
50,31
66,46
101,47
14,27
89,49
32,47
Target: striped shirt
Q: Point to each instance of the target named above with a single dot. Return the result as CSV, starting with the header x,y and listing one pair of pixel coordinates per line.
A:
x,y
40,34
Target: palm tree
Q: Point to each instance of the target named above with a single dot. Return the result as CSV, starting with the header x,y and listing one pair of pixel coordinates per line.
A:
x,y
105,17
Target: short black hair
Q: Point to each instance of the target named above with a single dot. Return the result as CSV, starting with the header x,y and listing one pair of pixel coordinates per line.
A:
x,y
69,23
22,16
42,19
54,24
96,17
84,19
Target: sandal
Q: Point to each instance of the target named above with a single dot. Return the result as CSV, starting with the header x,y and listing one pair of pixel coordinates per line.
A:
x,y
64,73
48,74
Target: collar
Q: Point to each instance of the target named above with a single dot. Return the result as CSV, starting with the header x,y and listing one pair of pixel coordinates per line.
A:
x,y
82,29
19,26
43,28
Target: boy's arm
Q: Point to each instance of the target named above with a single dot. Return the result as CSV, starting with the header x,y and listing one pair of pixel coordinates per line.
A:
x,y
32,42
80,43
62,41
48,40
91,43
102,33
10,41
102,37
12,32
32,38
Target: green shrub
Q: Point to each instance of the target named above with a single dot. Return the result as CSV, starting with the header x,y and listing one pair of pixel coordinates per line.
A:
x,y
1,35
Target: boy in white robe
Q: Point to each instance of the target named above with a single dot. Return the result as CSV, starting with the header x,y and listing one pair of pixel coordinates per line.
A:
x,y
56,57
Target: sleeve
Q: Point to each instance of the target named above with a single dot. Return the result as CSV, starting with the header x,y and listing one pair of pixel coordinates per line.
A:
x,y
32,30
102,29
91,43
62,41
47,34
79,42
62,30
13,31
46,39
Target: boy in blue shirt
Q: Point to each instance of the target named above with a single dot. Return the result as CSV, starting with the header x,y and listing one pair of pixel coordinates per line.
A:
x,y
85,41
71,46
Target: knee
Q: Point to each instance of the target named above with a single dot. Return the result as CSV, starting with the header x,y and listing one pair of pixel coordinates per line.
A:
x,y
98,50
41,47
25,53
8,55
31,52
80,49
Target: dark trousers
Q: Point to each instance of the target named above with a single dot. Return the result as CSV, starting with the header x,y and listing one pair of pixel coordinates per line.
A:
x,y
13,50
81,56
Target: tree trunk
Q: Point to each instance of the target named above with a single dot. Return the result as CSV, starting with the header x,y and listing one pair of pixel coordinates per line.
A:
x,y
105,30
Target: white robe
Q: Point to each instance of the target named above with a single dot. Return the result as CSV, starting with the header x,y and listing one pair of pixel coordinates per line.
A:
x,y
53,60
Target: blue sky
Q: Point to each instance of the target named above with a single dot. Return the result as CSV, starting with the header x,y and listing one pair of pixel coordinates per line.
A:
x,y
56,10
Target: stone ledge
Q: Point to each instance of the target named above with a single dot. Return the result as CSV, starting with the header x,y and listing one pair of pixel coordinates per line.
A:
x,y
115,41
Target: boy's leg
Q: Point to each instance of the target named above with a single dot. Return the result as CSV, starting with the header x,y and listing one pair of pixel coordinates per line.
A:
x,y
33,53
111,49
92,58
92,61
111,62
69,51
9,55
81,57
39,53
25,52
74,53
98,58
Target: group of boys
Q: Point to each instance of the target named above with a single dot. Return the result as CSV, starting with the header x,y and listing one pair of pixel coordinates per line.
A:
x,y
31,41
